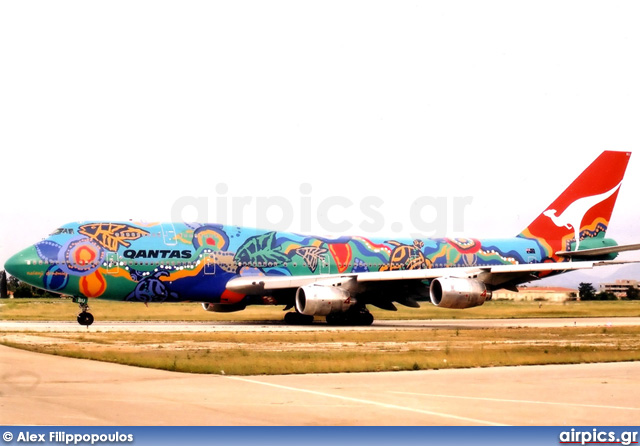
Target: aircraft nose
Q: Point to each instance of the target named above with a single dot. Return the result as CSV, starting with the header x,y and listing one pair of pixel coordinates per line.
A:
x,y
12,265
21,263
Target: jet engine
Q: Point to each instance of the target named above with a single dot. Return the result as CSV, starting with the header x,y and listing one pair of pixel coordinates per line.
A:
x,y
320,300
453,292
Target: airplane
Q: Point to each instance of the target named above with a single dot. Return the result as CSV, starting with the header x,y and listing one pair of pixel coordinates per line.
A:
x,y
227,268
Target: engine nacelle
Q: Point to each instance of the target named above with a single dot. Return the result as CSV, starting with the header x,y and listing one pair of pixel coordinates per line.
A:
x,y
453,292
224,308
320,300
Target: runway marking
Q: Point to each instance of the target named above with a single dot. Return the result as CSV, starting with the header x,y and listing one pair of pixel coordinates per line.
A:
x,y
374,403
502,400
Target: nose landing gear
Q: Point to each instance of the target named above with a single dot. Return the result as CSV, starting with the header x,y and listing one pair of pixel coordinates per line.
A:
x,y
84,317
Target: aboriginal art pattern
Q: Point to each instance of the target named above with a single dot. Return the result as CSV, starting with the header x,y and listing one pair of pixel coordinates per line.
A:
x,y
178,261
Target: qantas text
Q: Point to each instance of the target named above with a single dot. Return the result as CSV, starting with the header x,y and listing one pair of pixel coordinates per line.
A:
x,y
157,254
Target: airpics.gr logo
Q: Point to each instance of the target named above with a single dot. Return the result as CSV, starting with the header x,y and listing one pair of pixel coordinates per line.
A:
x,y
596,436
426,215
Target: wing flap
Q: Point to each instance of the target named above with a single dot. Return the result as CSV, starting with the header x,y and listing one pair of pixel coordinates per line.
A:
x,y
419,274
260,284
541,267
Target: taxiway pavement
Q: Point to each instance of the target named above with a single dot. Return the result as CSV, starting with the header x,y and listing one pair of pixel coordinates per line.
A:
x,y
213,326
39,389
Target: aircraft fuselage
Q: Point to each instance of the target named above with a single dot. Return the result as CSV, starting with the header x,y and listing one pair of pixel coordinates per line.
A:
x,y
193,262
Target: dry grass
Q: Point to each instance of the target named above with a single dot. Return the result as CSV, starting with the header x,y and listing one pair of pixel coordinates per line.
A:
x,y
323,352
65,310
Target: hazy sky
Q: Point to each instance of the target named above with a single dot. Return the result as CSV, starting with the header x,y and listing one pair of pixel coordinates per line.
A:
x,y
119,110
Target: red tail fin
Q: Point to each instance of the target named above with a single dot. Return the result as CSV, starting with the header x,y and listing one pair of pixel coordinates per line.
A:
x,y
584,209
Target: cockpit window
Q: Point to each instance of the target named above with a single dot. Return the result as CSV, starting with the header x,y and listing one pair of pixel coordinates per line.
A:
x,y
62,231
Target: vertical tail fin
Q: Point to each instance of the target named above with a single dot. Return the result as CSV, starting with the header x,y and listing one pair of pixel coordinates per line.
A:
x,y
584,209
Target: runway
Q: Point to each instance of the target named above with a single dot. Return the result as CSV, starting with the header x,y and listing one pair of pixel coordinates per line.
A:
x,y
213,326
50,390
40,389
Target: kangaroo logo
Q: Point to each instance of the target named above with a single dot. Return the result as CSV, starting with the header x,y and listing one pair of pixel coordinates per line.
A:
x,y
572,216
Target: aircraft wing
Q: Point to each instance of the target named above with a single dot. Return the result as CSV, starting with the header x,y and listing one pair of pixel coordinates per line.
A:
x,y
496,275
593,252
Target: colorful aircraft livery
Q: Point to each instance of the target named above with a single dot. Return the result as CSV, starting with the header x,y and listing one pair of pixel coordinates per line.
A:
x,y
229,267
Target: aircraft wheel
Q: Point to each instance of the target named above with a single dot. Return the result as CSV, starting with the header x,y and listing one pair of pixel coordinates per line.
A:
x,y
85,318
362,317
335,319
365,318
295,318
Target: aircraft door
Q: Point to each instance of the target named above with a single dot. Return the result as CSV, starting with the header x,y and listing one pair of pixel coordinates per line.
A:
x,y
209,263
111,259
324,267
169,234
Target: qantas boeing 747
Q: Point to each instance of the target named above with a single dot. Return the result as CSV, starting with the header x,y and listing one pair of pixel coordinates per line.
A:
x,y
227,268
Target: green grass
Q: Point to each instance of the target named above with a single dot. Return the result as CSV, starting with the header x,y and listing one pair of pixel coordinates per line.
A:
x,y
353,351
65,310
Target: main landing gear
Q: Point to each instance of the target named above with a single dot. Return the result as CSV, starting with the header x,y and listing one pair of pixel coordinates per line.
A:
x,y
295,318
84,317
355,316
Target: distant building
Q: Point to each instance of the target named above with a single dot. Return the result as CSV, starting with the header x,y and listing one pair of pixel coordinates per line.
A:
x,y
619,287
542,293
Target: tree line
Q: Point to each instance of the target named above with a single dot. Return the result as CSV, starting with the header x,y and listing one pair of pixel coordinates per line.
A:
x,y
586,291
24,290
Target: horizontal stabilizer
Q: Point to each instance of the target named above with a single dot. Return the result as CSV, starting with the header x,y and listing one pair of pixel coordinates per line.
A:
x,y
595,252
